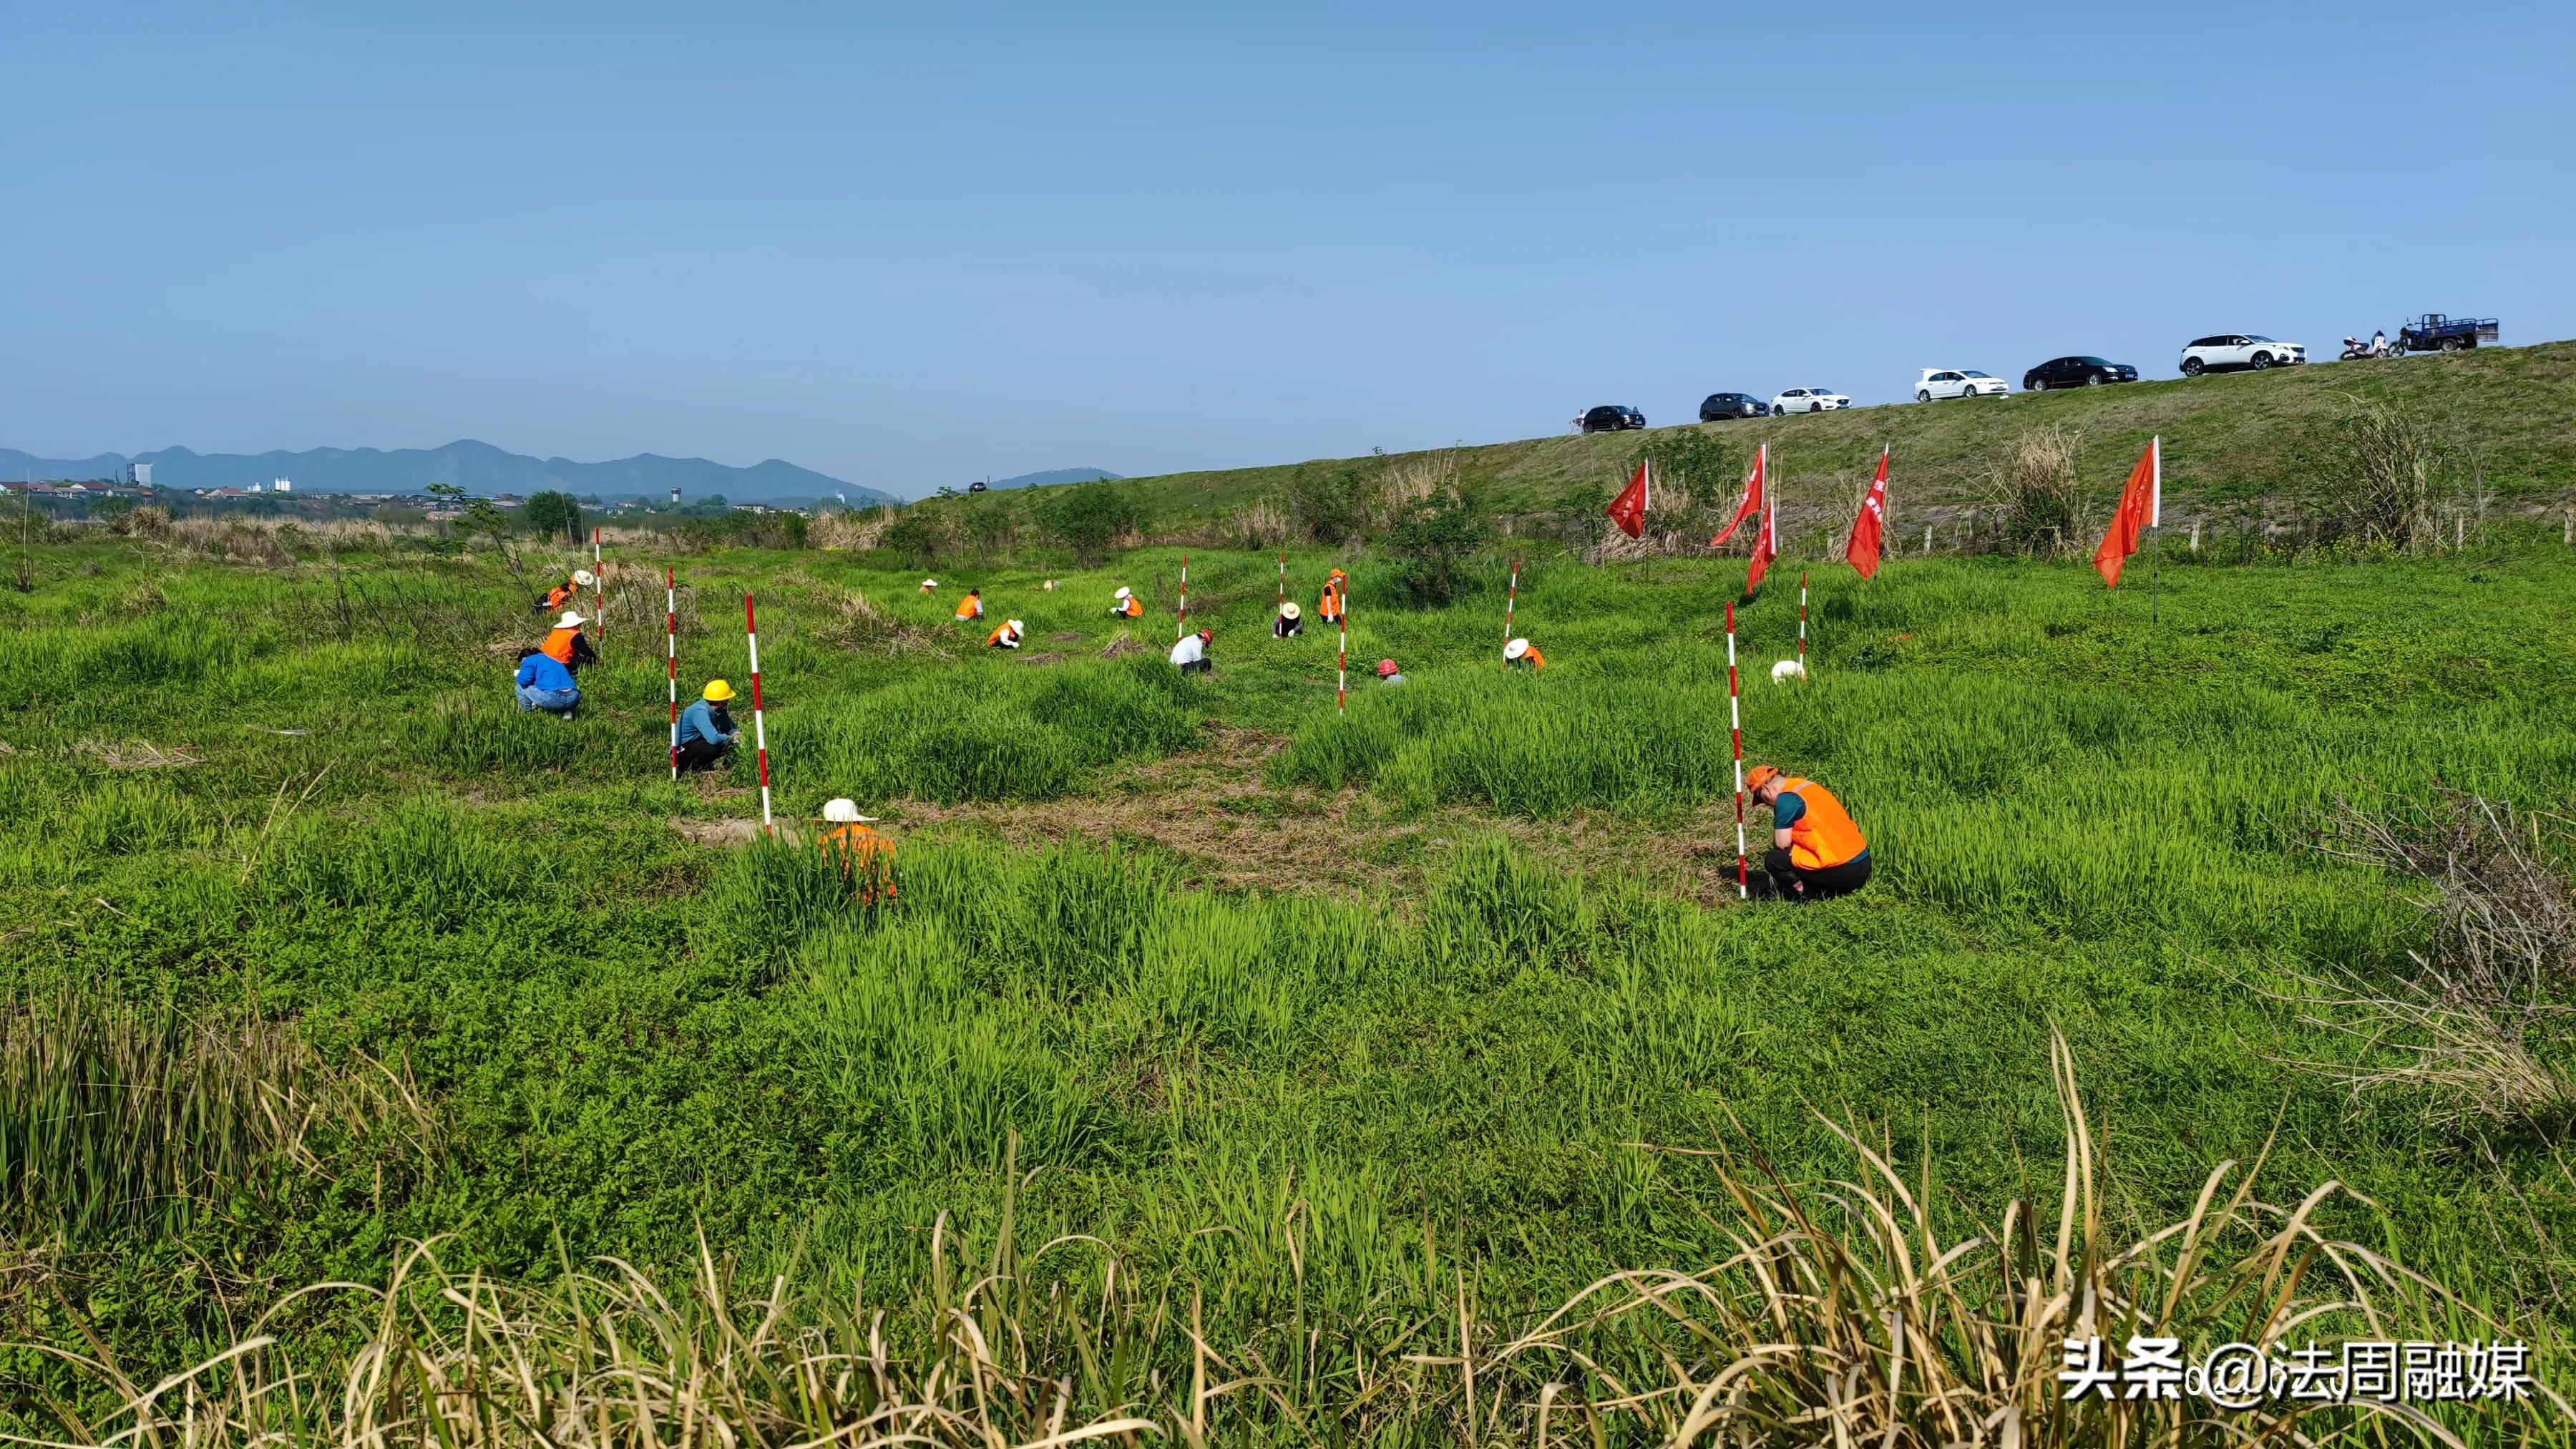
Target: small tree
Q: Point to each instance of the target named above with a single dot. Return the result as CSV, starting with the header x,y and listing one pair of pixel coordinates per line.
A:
x,y
1328,504
1432,547
1089,517
550,513
919,534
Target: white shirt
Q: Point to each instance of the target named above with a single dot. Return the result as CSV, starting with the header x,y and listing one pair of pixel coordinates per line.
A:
x,y
1189,650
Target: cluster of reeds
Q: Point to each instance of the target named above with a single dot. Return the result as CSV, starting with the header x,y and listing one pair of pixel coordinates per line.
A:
x,y
114,1116
1846,1313
2387,487
2038,507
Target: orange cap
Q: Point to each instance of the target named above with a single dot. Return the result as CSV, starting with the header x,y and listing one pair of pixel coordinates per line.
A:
x,y
1760,775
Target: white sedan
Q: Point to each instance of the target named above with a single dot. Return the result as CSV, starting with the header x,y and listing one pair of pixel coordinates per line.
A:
x,y
1956,382
1808,400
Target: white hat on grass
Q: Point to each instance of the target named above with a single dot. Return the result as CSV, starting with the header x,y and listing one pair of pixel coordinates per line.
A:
x,y
1516,648
570,620
584,577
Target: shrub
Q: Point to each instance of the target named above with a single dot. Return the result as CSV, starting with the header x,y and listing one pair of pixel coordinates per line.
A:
x,y
2038,510
1089,517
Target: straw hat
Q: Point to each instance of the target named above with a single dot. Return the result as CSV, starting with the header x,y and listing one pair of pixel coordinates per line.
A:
x,y
1121,594
1287,611
1516,649
570,620
584,577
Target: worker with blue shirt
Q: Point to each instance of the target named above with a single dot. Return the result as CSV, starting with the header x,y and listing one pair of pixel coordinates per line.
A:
x,y
707,734
544,683
1816,850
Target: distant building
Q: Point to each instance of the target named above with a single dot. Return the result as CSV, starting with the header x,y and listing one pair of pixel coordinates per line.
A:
x,y
675,495
282,485
139,474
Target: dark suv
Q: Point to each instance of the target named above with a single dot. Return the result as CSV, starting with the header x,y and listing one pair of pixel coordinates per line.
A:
x,y
1719,406
2076,372
1610,418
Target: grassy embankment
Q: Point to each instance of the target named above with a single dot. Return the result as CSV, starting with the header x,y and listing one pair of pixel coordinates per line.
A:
x,y
2240,446
1425,1059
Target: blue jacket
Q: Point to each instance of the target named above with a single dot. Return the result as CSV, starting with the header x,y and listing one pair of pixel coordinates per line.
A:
x,y
543,672
703,721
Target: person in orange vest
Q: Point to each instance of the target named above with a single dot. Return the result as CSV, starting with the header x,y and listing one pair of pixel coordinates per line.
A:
x,y
1520,652
567,645
1329,607
1816,851
569,590
1004,636
970,607
864,856
1125,606
929,585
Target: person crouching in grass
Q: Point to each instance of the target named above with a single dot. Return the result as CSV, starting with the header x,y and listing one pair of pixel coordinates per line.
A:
x,y
707,733
1816,851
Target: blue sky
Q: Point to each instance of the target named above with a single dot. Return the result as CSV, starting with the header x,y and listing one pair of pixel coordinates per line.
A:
x,y
912,247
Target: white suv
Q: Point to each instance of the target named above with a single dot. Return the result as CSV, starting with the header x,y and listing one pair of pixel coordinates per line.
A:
x,y
2228,351
1956,382
1808,400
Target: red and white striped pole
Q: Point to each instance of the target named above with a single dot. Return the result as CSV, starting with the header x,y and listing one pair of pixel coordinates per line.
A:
x,y
1802,621
1342,661
598,589
1283,576
759,731
1510,599
1735,729
1181,623
671,660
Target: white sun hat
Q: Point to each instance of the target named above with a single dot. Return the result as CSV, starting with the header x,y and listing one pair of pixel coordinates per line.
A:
x,y
1516,648
842,812
930,583
570,620
584,577
1016,626
1287,611
1122,592
1787,669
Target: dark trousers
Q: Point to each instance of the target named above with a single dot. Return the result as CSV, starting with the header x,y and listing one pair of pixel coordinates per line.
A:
x,y
1792,884
701,755
1199,666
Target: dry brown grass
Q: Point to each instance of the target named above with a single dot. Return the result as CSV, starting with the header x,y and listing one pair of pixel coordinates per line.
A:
x,y
2038,508
135,755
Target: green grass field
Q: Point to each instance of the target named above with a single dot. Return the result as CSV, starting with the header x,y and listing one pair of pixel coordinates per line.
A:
x,y
1338,1031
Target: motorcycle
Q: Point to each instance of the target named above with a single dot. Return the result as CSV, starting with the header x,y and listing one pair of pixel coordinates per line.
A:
x,y
2354,350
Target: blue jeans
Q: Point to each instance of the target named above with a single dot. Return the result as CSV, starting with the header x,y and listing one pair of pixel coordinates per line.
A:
x,y
558,701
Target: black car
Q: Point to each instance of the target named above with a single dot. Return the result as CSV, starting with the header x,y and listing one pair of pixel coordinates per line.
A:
x,y
1718,406
1610,418
2076,372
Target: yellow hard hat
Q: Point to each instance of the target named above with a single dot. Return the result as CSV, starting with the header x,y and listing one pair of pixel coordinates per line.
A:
x,y
717,691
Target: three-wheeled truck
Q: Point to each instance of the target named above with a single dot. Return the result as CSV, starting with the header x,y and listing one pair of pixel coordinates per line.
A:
x,y
2434,332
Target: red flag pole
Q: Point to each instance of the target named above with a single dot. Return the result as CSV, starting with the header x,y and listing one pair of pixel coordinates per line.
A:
x,y
1735,729
1802,621
1510,599
759,731
671,660
1181,623
598,587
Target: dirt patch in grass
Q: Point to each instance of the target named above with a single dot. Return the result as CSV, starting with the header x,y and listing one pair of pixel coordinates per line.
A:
x,y
1210,810
1121,647
1065,636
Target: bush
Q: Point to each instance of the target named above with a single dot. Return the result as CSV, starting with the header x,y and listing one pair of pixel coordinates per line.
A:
x,y
1089,517
1432,547
551,513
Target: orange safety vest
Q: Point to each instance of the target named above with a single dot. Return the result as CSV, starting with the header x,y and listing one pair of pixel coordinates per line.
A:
x,y
863,854
1824,835
994,639
556,595
1534,659
558,646
970,607
1330,605
1131,608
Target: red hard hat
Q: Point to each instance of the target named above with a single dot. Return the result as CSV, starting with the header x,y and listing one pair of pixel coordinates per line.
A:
x,y
1385,667
1207,633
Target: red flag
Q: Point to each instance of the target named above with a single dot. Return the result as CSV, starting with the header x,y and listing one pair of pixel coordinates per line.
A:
x,y
1765,549
1752,503
1861,549
2141,506
1628,510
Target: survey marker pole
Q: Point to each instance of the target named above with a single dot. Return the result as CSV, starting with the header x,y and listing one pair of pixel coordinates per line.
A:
x,y
1735,731
671,660
598,589
1802,621
1181,623
759,731
1510,599
1283,576
1342,660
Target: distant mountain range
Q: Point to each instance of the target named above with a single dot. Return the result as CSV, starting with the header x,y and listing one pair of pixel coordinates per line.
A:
x,y
475,467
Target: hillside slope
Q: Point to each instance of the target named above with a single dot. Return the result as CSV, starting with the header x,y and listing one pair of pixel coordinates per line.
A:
x,y
2233,444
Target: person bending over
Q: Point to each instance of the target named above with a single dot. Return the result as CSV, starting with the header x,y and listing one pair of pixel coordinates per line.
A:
x,y
707,734
1816,851
1191,653
543,683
